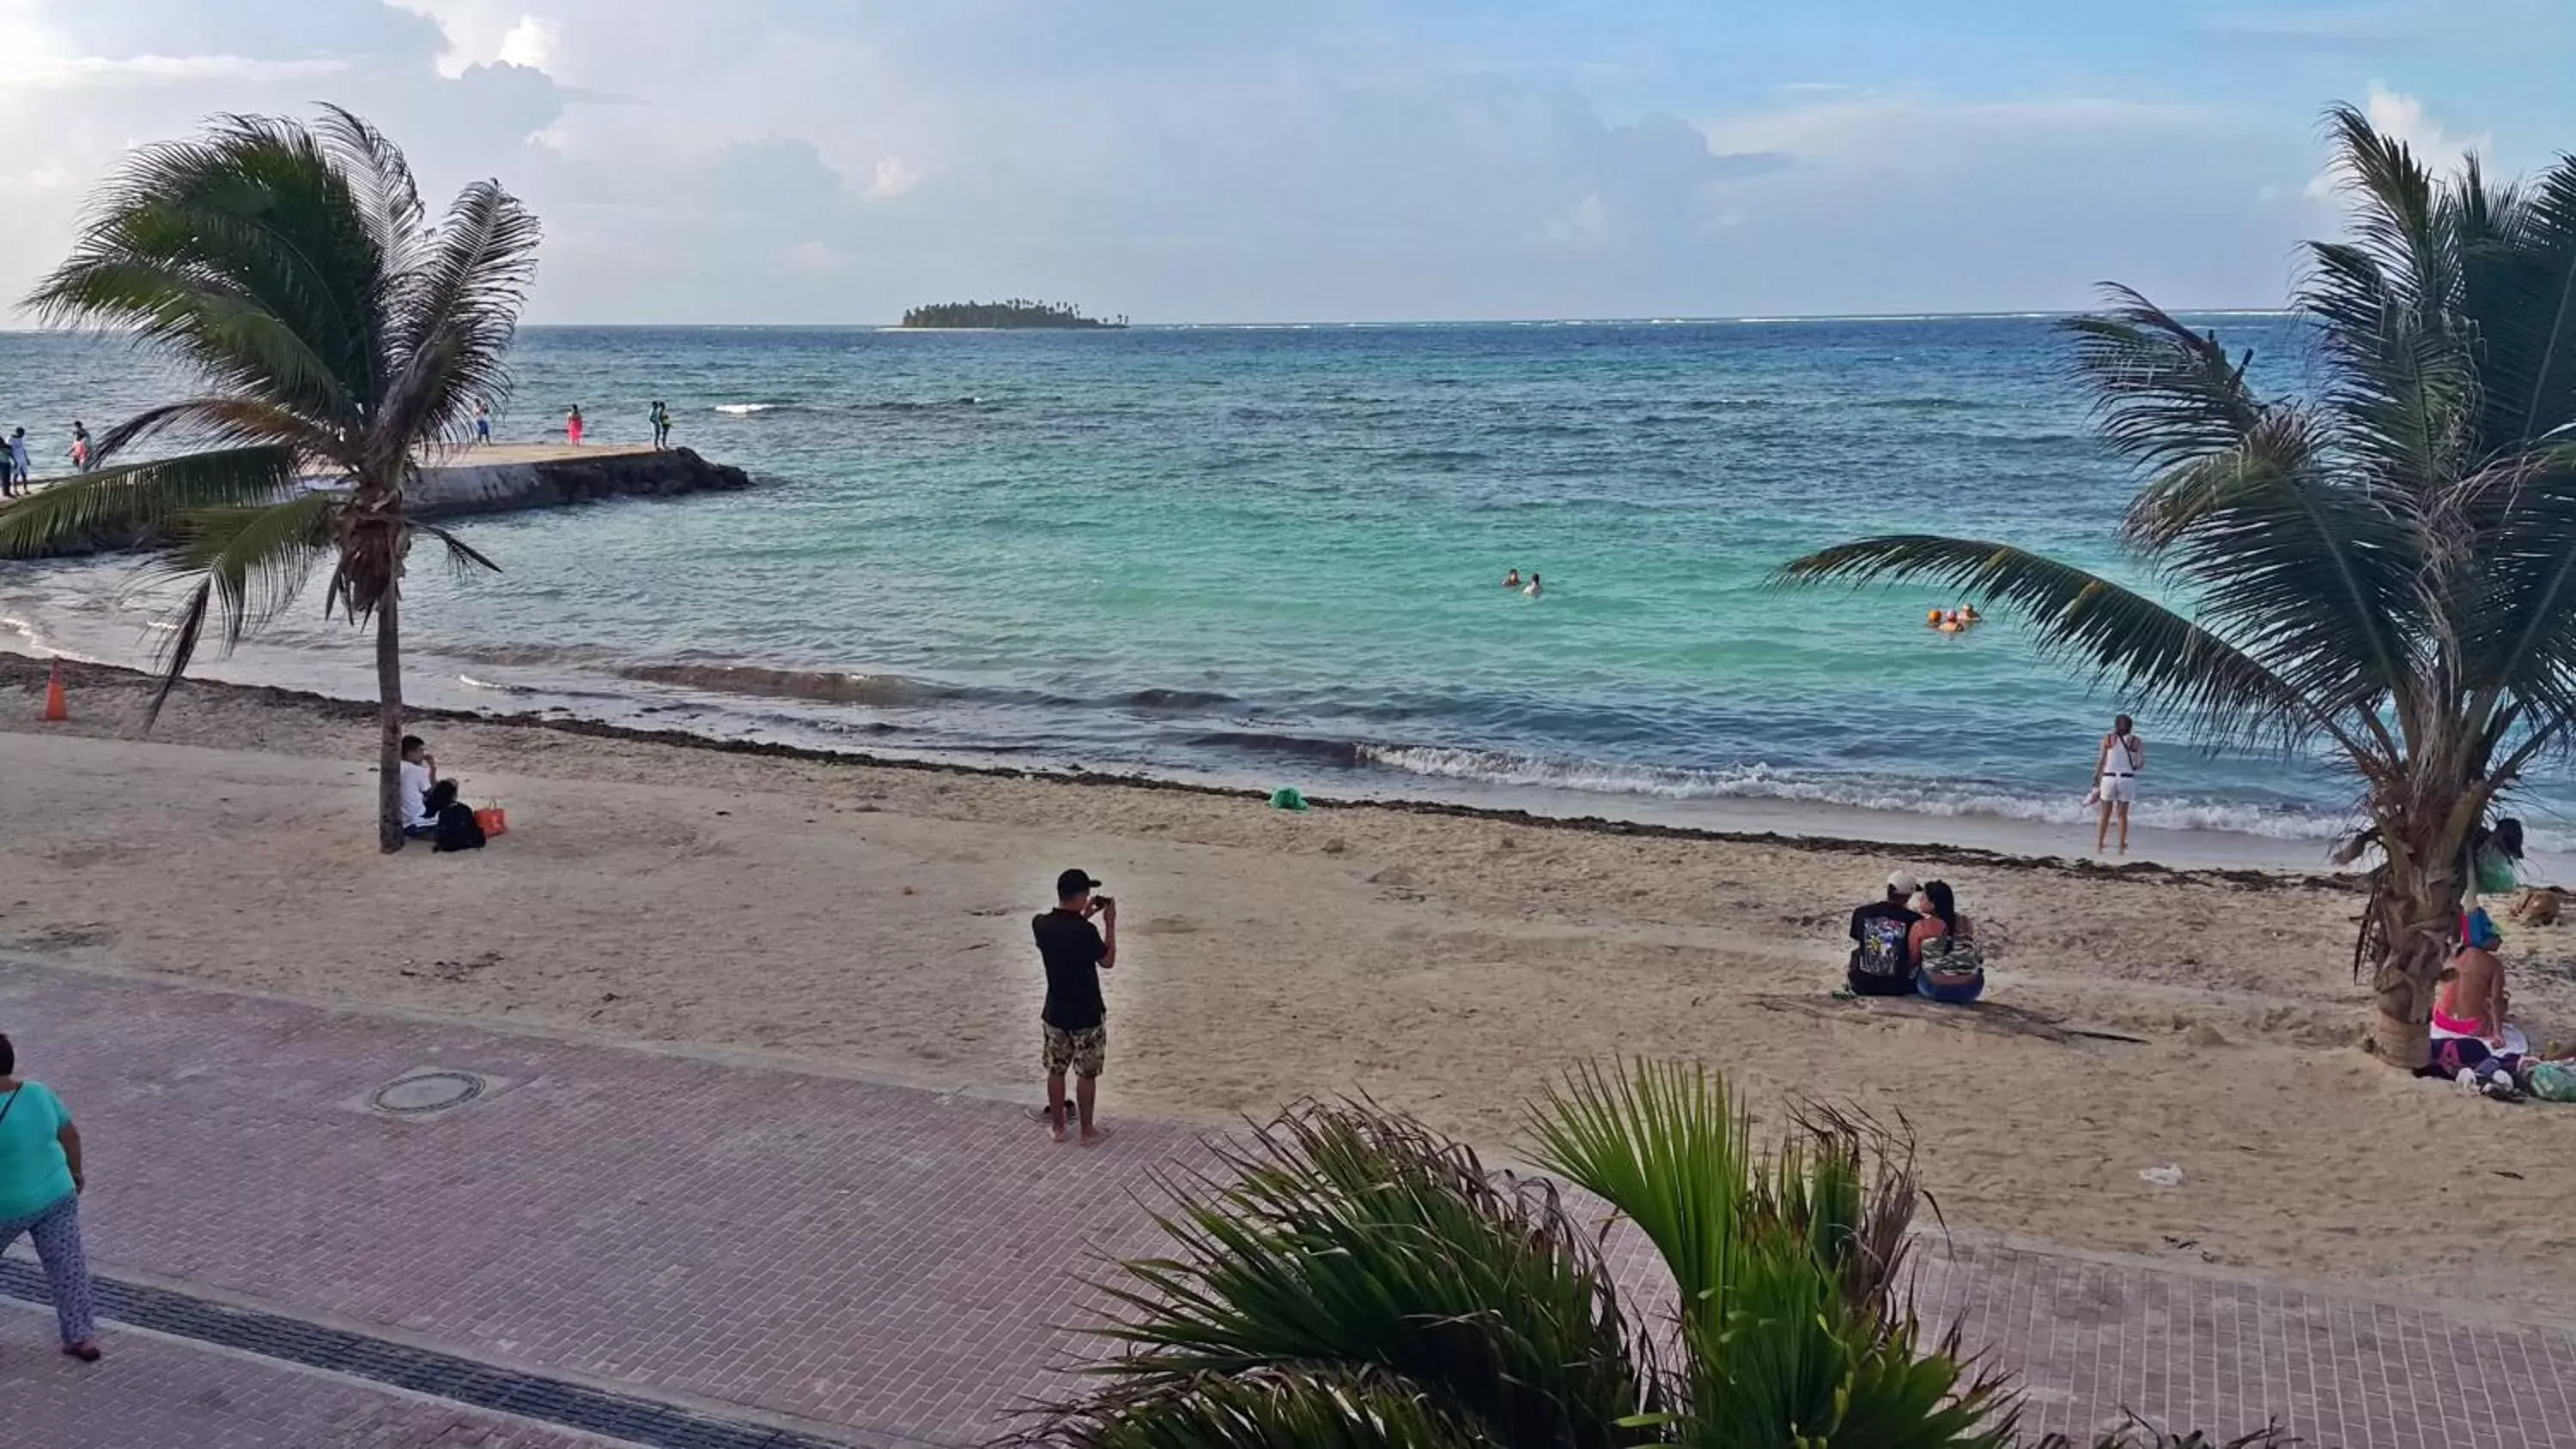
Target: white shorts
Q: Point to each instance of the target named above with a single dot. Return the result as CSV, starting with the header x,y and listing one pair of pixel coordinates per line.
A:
x,y
2119,789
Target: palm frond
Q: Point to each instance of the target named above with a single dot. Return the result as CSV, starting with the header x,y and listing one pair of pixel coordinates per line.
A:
x,y
224,422
454,314
1665,1145
1323,1408
1352,1240
243,250
463,559
380,180
2272,547
132,503
258,559
2165,394
2519,291
2146,651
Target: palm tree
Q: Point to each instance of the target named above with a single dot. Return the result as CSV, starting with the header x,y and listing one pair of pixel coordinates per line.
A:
x,y
2384,566
335,331
1349,1278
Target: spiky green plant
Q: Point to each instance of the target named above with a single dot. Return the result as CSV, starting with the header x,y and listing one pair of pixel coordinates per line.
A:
x,y
1348,1277
335,332
2384,566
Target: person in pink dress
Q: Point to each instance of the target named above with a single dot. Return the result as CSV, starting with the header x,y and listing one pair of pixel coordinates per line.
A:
x,y
572,425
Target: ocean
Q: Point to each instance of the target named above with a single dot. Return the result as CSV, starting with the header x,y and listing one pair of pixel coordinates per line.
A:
x,y
1273,556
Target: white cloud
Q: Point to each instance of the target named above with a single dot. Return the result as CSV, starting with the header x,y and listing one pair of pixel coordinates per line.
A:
x,y
892,178
482,32
531,43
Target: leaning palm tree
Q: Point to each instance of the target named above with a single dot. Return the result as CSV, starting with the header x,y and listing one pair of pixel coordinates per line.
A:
x,y
2383,566
335,332
1350,1278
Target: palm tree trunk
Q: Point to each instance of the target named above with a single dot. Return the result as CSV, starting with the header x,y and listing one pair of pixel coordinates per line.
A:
x,y
389,719
2419,920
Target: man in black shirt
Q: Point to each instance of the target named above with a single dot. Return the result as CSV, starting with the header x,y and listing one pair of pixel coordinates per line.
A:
x,y
1882,958
1075,1023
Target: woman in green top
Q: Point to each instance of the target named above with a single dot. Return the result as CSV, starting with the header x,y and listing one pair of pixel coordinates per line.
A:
x,y
40,1187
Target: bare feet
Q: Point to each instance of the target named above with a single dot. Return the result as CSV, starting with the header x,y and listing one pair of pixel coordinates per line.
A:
x,y
1094,1136
1055,1133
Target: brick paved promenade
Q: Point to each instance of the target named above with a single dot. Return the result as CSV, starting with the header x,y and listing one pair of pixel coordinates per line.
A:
x,y
872,1262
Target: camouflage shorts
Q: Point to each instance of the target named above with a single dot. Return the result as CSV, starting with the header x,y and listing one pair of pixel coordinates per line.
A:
x,y
1083,1051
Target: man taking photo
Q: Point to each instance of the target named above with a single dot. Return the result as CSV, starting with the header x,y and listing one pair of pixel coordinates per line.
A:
x,y
1075,1022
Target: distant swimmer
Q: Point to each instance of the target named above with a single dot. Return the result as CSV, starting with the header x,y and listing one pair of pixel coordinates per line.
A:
x,y
1968,614
1512,580
1533,589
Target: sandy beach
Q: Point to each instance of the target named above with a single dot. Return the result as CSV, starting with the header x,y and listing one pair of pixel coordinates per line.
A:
x,y
877,917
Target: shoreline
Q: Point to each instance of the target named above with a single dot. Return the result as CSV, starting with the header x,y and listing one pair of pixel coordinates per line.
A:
x,y
28,670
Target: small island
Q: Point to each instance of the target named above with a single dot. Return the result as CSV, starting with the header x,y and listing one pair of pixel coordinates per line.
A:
x,y
1015,313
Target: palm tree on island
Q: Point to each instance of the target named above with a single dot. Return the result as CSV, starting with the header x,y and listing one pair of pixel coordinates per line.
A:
x,y
335,331
2384,566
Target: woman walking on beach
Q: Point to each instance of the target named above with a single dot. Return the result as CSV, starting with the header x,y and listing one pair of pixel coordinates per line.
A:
x,y
40,1188
2115,773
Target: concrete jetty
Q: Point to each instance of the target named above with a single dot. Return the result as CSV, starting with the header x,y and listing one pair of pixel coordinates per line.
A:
x,y
507,478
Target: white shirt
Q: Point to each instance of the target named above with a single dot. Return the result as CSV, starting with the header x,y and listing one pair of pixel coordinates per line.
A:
x,y
415,789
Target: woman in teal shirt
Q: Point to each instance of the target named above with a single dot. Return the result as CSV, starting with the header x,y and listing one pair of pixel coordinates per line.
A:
x,y
40,1187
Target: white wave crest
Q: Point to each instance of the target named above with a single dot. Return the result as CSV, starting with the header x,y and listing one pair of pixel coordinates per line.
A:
x,y
744,409
1865,792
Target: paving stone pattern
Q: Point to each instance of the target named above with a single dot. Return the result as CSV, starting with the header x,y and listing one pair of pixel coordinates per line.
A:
x,y
150,1393
896,1265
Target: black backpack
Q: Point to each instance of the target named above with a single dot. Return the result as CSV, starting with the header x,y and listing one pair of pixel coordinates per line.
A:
x,y
457,829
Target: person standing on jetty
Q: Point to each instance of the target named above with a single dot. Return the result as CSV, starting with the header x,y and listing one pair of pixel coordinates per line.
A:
x,y
1074,1025
483,424
82,454
660,417
572,425
2115,774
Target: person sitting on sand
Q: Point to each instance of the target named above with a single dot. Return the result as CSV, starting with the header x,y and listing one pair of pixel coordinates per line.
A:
x,y
2472,1001
419,777
1512,580
1946,974
1882,958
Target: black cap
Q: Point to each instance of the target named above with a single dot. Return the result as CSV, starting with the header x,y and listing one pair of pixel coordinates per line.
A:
x,y
1073,883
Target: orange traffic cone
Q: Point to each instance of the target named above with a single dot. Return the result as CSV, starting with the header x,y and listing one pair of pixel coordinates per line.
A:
x,y
56,708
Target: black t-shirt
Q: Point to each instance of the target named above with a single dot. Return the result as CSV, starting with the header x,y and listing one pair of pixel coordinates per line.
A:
x,y
1072,948
1881,962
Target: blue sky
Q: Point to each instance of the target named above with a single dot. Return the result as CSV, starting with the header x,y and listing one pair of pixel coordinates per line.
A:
x,y
1186,160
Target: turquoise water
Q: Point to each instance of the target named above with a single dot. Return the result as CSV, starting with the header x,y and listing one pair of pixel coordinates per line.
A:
x,y
1275,554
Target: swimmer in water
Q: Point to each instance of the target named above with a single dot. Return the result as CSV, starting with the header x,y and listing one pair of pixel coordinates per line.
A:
x,y
1969,615
1512,580
1533,589
1931,618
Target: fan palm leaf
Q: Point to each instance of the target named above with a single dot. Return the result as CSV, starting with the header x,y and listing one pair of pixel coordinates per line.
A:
x,y
1346,1276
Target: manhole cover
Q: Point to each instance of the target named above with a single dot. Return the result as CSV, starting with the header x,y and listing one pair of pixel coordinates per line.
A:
x,y
426,1092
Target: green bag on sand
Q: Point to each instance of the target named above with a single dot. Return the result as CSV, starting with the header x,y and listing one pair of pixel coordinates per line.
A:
x,y
1287,798
2552,1081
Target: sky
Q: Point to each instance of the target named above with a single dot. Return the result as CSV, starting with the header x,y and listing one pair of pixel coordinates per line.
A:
x,y
832,161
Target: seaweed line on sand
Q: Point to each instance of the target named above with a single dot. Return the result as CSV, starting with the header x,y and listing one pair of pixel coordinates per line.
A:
x,y
28,672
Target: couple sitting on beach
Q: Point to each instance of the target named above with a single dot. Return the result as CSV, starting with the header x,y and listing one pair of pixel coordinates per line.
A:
x,y
1916,942
431,809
